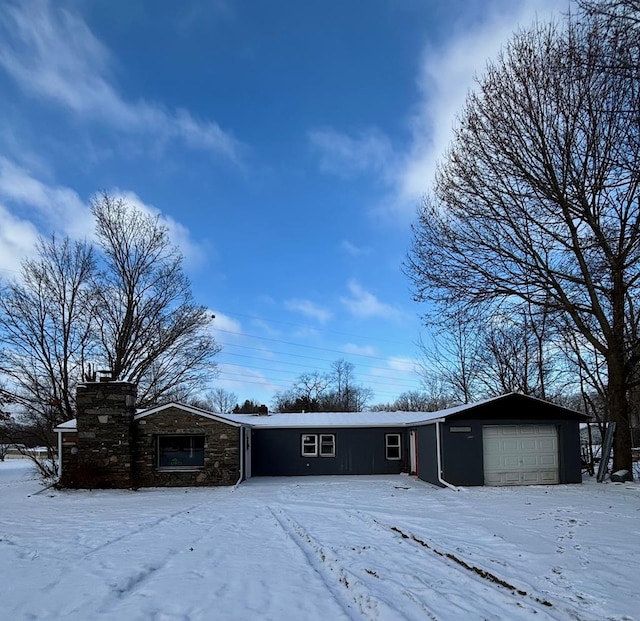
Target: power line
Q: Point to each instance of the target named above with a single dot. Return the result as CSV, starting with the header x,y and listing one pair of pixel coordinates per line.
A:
x,y
365,366
266,338
309,327
372,378
374,381
265,382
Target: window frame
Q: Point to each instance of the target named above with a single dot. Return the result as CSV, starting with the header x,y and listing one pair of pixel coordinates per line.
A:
x,y
318,445
331,442
305,443
388,447
192,448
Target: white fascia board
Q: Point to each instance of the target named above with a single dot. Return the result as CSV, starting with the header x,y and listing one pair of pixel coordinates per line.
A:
x,y
186,408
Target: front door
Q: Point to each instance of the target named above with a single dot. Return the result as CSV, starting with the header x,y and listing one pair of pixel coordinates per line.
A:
x,y
413,452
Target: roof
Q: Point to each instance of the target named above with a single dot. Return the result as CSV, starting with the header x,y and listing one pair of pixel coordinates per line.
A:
x,y
389,419
186,408
335,419
70,425
343,419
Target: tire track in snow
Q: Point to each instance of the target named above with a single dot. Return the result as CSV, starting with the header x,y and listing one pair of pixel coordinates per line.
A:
x,y
539,605
120,587
343,583
317,559
138,530
127,584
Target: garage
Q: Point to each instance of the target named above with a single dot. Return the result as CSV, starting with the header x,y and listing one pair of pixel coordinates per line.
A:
x,y
520,454
512,439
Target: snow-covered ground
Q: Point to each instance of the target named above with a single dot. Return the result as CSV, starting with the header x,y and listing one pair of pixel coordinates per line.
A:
x,y
324,548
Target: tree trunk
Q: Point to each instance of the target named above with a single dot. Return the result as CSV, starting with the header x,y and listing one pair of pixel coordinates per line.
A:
x,y
619,413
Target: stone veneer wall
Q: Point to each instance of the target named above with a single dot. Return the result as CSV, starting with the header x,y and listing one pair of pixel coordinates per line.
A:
x,y
105,445
221,450
69,460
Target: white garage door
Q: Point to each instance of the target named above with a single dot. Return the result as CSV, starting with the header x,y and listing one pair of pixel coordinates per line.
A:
x,y
520,454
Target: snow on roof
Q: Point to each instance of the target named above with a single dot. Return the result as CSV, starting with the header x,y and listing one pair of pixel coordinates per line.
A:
x,y
187,408
335,419
352,419
320,419
70,425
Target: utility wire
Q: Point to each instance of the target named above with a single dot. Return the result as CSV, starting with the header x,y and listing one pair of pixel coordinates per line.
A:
x,y
309,327
394,381
266,338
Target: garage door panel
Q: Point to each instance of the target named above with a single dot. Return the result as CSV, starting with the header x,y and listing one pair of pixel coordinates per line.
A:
x,y
531,461
520,454
509,461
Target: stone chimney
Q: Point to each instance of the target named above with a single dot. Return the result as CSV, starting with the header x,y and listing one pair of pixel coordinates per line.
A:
x,y
105,411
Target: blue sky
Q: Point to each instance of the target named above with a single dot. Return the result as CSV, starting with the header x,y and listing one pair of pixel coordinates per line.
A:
x,y
285,144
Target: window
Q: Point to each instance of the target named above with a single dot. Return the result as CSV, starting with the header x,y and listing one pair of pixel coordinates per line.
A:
x,y
180,451
327,445
393,446
318,445
309,445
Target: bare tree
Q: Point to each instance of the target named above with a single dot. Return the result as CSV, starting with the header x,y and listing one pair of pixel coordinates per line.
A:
x,y
217,400
45,325
538,198
617,14
344,394
332,392
150,330
516,354
308,394
413,401
452,357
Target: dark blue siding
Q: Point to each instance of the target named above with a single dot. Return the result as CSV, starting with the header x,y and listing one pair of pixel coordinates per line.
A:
x,y
277,452
462,453
462,458
427,456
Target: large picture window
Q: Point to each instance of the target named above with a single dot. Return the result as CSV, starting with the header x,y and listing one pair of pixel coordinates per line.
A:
x,y
393,446
180,451
318,445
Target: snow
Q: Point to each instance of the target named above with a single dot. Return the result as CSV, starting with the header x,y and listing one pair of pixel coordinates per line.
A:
x,y
316,548
324,419
336,419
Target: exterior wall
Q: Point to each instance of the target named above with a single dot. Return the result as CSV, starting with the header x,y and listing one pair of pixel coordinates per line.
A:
x,y
570,457
462,454
104,448
69,459
278,452
221,450
427,454
462,458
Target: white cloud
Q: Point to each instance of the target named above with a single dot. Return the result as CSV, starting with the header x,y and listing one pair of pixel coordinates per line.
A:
x,y
309,309
179,234
17,241
404,365
51,52
444,77
37,208
347,156
360,350
226,323
57,209
353,250
362,303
